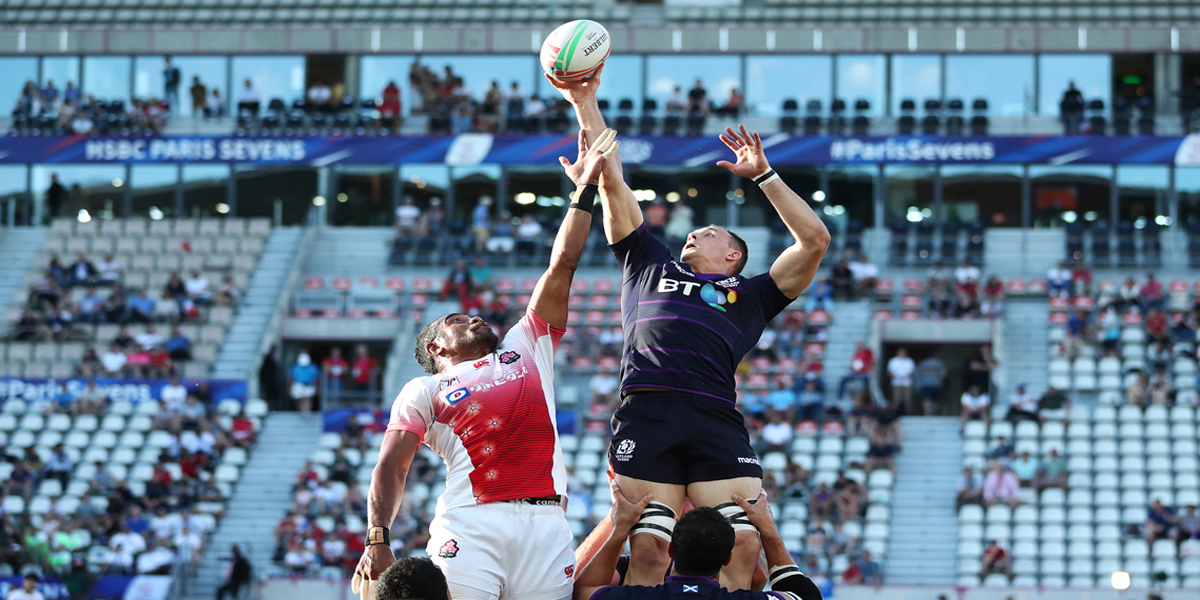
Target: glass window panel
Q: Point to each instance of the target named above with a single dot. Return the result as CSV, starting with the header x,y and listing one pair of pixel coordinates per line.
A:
x,y
1005,81
861,77
376,71
909,193
427,185
154,190
622,78
107,77
259,189
94,188
60,70
211,70
1091,74
537,191
916,77
757,210
852,188
364,195
12,188
472,184
1070,193
478,72
1143,192
719,75
772,79
204,187
988,194
705,190
1187,185
17,72
273,76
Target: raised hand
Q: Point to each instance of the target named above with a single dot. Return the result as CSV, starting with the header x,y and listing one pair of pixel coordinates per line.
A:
x,y
590,161
375,560
751,160
759,513
625,514
579,90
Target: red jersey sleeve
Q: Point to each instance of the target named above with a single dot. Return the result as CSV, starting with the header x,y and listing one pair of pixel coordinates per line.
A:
x,y
412,410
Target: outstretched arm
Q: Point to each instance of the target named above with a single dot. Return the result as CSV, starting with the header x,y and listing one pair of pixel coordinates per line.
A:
x,y
796,266
383,500
621,212
550,297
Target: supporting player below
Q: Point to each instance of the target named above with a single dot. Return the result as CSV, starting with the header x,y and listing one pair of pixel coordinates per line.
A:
x,y
688,323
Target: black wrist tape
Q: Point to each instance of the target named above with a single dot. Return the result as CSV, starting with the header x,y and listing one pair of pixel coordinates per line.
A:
x,y
585,199
765,176
378,535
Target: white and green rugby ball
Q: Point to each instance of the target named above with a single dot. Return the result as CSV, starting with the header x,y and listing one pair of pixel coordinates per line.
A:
x,y
575,50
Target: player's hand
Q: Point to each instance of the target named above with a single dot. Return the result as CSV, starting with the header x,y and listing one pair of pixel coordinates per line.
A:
x,y
590,161
579,91
759,513
625,514
375,560
751,160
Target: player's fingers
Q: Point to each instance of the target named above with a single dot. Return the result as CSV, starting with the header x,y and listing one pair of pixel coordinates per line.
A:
x,y
724,164
611,150
745,134
757,141
729,143
601,141
583,145
734,136
645,501
354,581
608,136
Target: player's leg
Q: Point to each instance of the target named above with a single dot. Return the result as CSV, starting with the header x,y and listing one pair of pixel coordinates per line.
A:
x,y
648,542
738,573
545,568
467,545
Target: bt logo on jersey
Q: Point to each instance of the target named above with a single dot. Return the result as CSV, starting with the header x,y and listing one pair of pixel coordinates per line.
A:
x,y
708,292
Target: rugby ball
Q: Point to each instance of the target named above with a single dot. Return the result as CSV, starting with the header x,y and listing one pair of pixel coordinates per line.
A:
x,y
575,50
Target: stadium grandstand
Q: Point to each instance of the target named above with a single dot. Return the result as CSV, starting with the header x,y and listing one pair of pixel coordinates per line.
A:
x,y
223,224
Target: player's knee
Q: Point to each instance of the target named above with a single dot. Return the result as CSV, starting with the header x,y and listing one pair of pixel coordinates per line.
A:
x,y
746,543
649,555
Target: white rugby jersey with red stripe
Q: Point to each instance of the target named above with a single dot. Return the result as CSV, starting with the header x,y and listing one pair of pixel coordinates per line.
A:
x,y
492,420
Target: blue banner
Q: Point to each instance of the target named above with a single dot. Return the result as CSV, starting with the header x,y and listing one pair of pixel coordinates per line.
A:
x,y
132,390
480,148
51,587
140,587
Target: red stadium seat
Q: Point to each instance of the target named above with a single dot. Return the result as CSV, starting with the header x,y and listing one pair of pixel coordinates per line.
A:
x,y
910,315
341,283
569,332
528,284
576,301
573,317
1038,287
818,317
1196,287
1059,303
1083,303
303,313
882,314
1131,318
787,364
806,428
758,380
795,316
581,362
504,300
600,427
579,285
594,317
609,363
369,282
833,428
760,364
315,283
1178,286
911,301
814,350
783,378
593,330
422,284
385,313
598,301
506,285
396,284
420,300
523,299
358,313
912,285
884,286
331,313
603,285
1058,318
615,317
1016,286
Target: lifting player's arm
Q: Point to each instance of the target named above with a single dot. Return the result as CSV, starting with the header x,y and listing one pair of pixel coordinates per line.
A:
x,y
550,297
786,579
383,500
598,572
621,212
796,266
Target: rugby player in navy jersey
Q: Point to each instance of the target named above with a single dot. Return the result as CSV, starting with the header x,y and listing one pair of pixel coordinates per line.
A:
x,y
688,323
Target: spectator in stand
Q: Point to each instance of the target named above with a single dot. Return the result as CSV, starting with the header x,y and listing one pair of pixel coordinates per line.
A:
x,y
810,402
123,546
141,308
389,108
656,218
869,570
862,364
529,236
937,280
59,465
881,452
676,104
1004,450
28,589
821,502
1058,280
698,100
89,365
970,488
776,434
1161,522
865,274
1139,390
114,361
1024,406
1026,469
20,481
680,223
363,369
171,80
199,95
766,345
843,280
782,399
408,217
82,271
197,287
977,370
178,346
1156,325
149,338
215,107
1052,472
1053,405
967,278
481,273
109,270
995,560
227,293
928,378
603,387
820,295
249,98
334,369
458,281
481,223
1081,280
993,298
239,575
304,376
1151,294
1160,389
1001,486
733,106
901,369
319,96
975,403
1127,295
89,308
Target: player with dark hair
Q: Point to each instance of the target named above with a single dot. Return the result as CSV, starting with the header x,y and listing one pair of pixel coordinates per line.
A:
x,y
702,545
412,579
488,409
688,323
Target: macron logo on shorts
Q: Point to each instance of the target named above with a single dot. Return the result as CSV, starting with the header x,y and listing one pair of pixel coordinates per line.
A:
x,y
748,461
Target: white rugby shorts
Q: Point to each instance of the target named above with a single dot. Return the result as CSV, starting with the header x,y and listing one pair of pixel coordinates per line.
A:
x,y
504,551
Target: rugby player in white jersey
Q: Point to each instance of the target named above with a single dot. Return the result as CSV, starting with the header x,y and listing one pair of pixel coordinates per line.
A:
x,y
487,407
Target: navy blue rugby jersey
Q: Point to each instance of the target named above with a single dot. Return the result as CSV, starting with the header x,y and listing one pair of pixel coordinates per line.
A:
x,y
687,331
678,587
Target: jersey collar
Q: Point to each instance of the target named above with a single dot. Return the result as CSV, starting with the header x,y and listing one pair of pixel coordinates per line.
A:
x,y
693,579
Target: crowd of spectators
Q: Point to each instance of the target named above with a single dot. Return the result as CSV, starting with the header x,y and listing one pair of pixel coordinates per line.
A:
x,y
71,111
140,526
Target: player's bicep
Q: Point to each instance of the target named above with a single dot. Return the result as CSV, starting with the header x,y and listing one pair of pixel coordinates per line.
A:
x,y
550,296
795,269
397,452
